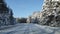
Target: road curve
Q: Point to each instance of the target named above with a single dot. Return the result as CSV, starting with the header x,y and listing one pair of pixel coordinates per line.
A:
x,y
30,29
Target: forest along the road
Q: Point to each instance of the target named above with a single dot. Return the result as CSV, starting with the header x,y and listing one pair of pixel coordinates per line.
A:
x,y
24,28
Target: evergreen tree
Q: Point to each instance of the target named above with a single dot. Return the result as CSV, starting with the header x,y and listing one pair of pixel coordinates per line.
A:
x,y
3,7
7,14
11,17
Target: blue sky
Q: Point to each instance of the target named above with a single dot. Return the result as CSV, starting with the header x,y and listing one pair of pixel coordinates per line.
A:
x,y
24,8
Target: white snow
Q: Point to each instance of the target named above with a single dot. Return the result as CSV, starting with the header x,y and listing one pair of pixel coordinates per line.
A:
x,y
24,28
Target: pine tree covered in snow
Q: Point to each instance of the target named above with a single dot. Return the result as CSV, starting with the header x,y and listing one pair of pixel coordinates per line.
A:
x,y
6,15
50,14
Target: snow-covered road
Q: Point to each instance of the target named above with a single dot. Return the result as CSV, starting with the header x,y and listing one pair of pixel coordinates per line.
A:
x,y
30,29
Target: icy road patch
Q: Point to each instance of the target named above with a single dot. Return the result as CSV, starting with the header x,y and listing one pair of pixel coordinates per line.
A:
x,y
30,29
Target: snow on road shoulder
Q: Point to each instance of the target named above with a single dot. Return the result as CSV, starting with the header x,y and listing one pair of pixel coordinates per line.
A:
x,y
49,29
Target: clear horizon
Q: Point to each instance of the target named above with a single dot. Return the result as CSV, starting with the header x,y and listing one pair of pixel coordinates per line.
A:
x,y
24,8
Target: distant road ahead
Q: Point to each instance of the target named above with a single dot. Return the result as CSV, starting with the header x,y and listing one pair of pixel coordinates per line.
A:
x,y
30,29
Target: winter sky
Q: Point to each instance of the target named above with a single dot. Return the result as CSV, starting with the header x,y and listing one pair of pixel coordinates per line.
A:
x,y
24,8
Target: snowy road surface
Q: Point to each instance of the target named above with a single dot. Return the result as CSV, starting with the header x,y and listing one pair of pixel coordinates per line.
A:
x,y
30,29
